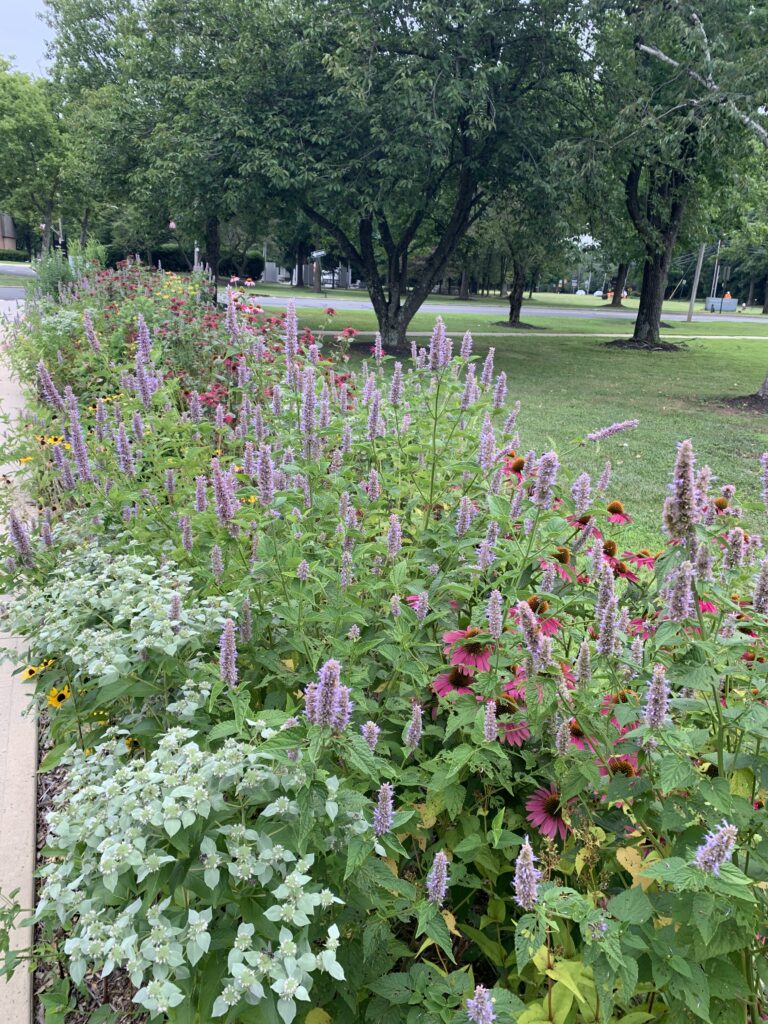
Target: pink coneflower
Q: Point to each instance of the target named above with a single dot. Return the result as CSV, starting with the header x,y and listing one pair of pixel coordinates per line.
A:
x,y
643,559
610,700
472,655
511,703
617,514
548,626
455,680
562,569
545,812
579,738
621,764
708,608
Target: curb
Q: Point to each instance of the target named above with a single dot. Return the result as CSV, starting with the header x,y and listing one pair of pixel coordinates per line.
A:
x,y
18,790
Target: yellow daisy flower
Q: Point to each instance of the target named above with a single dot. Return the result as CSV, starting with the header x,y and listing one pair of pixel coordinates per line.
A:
x,y
57,697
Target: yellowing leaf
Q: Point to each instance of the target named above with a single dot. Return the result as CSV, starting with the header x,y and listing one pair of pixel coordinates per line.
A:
x,y
318,1016
632,861
391,865
289,663
742,783
450,921
427,814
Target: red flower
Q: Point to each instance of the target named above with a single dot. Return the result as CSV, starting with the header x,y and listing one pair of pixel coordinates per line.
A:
x,y
643,559
330,311
455,680
511,702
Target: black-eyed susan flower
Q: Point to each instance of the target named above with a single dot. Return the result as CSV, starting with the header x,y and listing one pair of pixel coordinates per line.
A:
x,y
57,697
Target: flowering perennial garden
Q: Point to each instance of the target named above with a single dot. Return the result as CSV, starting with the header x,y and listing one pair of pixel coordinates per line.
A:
x,y
366,709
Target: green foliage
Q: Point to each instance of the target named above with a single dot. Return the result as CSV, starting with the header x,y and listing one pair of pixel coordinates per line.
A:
x,y
216,842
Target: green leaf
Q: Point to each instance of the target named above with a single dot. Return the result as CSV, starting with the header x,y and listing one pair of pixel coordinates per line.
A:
x,y
631,906
675,773
358,851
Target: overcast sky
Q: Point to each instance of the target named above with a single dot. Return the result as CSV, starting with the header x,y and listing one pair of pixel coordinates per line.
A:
x,y
23,35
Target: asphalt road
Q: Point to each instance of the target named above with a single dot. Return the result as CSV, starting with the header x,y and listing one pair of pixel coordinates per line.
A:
x,y
481,309
20,272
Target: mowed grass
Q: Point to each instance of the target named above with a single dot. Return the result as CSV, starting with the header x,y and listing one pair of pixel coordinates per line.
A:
x,y
569,386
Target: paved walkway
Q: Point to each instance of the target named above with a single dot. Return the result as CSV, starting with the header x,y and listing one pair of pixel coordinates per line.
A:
x,y
18,789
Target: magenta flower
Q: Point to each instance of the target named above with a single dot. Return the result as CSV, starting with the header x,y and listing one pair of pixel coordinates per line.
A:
x,y
545,812
456,680
472,655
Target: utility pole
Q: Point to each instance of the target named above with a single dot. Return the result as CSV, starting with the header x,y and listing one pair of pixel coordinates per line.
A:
x,y
716,274
696,277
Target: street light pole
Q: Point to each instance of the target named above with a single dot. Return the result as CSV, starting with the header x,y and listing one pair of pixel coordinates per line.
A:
x,y
696,277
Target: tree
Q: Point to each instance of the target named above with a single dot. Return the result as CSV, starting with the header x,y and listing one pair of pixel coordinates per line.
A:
x,y
390,126
31,141
670,143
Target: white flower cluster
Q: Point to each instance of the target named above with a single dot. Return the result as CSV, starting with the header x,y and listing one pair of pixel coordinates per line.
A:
x,y
107,611
113,828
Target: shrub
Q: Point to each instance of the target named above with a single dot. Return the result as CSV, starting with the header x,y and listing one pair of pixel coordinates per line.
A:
x,y
14,256
289,603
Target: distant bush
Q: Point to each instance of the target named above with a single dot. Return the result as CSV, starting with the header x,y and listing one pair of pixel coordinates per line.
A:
x,y
14,256
251,266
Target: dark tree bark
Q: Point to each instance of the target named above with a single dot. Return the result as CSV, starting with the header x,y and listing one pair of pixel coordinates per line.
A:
x,y
751,295
765,297
394,305
84,228
516,292
464,286
657,222
48,228
621,280
301,255
213,250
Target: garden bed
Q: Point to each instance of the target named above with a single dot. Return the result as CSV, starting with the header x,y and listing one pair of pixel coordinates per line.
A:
x,y
361,708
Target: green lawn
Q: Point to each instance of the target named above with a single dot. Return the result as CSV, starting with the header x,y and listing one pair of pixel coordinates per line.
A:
x,y
12,280
571,385
601,323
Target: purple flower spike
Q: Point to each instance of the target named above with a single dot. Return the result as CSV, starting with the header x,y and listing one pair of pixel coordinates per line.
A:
x,y
487,445
370,733
487,375
657,700
437,879
396,388
490,724
143,341
228,654
681,511
77,440
615,428
18,535
384,814
500,391
495,614
605,479
466,346
90,332
464,517
413,732
394,537
717,848
480,1007
124,456
526,878
580,492
48,390
546,476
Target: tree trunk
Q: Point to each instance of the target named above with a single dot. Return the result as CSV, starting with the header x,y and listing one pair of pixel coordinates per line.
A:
x,y
47,228
621,279
765,297
464,286
213,249
84,228
300,266
751,296
648,322
516,292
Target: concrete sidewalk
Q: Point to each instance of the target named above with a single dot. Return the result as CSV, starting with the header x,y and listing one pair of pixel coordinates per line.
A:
x,y
18,780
